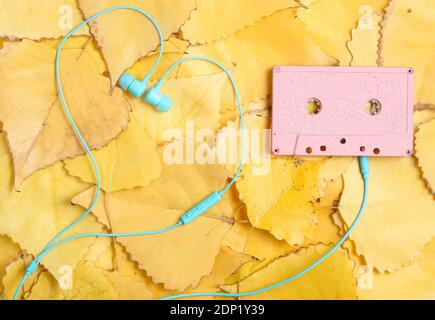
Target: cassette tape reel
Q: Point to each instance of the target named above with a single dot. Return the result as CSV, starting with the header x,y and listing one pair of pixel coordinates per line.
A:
x,y
342,111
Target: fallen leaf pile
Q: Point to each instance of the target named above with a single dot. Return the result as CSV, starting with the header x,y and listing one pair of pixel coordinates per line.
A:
x,y
281,215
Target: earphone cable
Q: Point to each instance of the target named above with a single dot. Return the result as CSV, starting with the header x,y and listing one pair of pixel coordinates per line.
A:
x,y
238,104
189,215
34,263
364,167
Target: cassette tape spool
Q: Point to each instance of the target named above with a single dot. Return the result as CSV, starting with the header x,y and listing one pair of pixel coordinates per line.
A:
x,y
342,111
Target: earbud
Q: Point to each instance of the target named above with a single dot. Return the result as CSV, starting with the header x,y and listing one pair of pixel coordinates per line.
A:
x,y
129,83
137,88
162,102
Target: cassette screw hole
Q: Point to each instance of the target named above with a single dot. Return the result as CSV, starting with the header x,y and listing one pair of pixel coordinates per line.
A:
x,y
342,140
362,149
276,150
373,107
313,106
322,148
376,150
309,150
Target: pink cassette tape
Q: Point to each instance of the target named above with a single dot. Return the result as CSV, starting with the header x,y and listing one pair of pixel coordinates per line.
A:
x,y
341,111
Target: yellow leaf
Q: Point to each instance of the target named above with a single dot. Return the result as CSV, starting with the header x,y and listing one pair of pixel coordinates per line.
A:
x,y
422,116
43,208
98,249
257,137
186,184
408,40
125,36
399,219
130,282
46,288
198,241
257,243
173,48
229,114
254,51
84,43
327,231
37,130
214,20
2,40
332,279
425,151
262,245
244,271
90,283
333,167
364,44
131,160
196,106
150,207
22,19
13,274
280,193
9,251
227,261
415,281
330,22
128,288
283,201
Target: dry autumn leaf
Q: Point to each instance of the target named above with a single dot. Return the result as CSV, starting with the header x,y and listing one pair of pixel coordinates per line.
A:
x,y
283,201
254,51
174,50
91,283
9,252
398,221
425,151
330,22
257,243
37,129
60,16
131,160
333,168
205,23
157,253
227,261
408,40
178,187
42,209
364,43
415,281
130,282
196,106
280,193
138,34
150,207
45,288
422,116
88,283
262,245
13,274
332,279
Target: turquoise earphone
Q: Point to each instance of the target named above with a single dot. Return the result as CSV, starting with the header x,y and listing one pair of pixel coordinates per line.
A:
x,y
153,96
163,103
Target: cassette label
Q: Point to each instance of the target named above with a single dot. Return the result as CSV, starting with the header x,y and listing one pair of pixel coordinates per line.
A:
x,y
342,111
